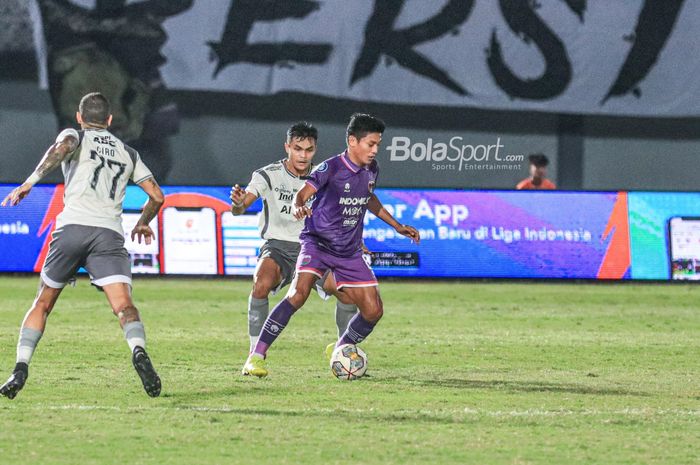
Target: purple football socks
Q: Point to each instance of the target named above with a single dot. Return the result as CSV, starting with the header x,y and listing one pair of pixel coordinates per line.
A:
x,y
357,331
274,324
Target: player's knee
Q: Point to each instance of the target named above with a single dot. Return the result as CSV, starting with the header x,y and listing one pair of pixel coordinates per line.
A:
x,y
260,291
127,313
373,313
259,294
296,301
43,306
297,297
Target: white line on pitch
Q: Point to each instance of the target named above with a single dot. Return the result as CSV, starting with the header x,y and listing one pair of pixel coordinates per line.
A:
x,y
467,411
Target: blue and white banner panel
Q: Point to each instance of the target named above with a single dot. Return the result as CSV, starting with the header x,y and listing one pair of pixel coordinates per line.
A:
x,y
465,234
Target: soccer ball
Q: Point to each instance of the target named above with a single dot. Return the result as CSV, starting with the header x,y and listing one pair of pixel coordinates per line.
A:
x,y
348,362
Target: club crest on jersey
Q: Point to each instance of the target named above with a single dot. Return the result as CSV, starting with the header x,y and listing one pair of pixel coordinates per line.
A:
x,y
370,186
322,167
347,187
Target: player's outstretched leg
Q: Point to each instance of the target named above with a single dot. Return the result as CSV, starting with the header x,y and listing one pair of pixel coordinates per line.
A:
x,y
29,335
273,326
28,340
119,297
144,368
277,320
258,309
135,336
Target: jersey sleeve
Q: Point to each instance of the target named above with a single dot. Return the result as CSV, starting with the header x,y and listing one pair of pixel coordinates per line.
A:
x,y
69,132
319,177
141,171
259,184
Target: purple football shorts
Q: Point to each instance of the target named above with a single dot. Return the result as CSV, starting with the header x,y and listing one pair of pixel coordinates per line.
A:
x,y
348,271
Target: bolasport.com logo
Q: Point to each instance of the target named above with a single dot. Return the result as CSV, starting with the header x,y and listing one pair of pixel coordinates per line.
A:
x,y
454,155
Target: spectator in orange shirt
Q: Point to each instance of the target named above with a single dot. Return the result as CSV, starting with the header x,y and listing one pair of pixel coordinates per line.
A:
x,y
538,173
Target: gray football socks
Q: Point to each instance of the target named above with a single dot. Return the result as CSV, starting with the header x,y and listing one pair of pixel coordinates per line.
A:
x,y
135,335
28,340
257,313
343,315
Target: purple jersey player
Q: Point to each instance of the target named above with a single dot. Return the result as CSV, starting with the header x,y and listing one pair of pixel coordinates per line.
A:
x,y
332,237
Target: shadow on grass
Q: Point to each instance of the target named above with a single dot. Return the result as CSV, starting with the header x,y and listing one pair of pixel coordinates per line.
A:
x,y
341,415
527,386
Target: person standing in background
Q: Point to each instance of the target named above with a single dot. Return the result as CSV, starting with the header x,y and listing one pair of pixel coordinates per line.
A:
x,y
538,174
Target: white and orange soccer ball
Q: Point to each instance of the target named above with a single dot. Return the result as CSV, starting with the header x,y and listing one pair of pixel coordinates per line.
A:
x,y
348,362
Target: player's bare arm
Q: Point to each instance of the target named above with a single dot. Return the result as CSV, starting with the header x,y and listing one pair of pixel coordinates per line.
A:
x,y
53,157
150,210
300,209
375,206
241,200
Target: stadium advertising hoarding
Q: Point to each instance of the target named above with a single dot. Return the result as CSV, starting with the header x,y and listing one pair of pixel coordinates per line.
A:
x,y
665,235
505,234
465,234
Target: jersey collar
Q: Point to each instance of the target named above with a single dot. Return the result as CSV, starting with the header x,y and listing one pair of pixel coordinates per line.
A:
x,y
350,165
308,171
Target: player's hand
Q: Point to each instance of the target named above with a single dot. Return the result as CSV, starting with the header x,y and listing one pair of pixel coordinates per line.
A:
x,y
410,232
301,212
366,255
142,231
17,194
237,196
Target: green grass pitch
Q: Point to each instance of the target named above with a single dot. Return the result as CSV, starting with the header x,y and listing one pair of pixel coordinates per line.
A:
x,y
482,373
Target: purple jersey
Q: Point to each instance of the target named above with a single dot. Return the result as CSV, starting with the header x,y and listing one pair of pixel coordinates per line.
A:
x,y
343,190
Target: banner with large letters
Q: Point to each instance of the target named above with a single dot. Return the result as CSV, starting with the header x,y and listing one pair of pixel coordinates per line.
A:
x,y
632,57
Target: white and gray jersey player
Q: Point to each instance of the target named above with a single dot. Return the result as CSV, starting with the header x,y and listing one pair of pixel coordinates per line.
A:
x,y
88,233
276,186
96,175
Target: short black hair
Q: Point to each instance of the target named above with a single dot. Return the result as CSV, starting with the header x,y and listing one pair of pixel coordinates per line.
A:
x,y
94,108
540,160
362,124
302,130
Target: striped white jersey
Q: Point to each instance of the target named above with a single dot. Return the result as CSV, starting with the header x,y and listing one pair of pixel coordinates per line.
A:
x,y
276,186
96,175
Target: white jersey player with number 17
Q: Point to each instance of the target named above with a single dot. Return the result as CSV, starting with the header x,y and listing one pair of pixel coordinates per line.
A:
x,y
97,167
96,177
